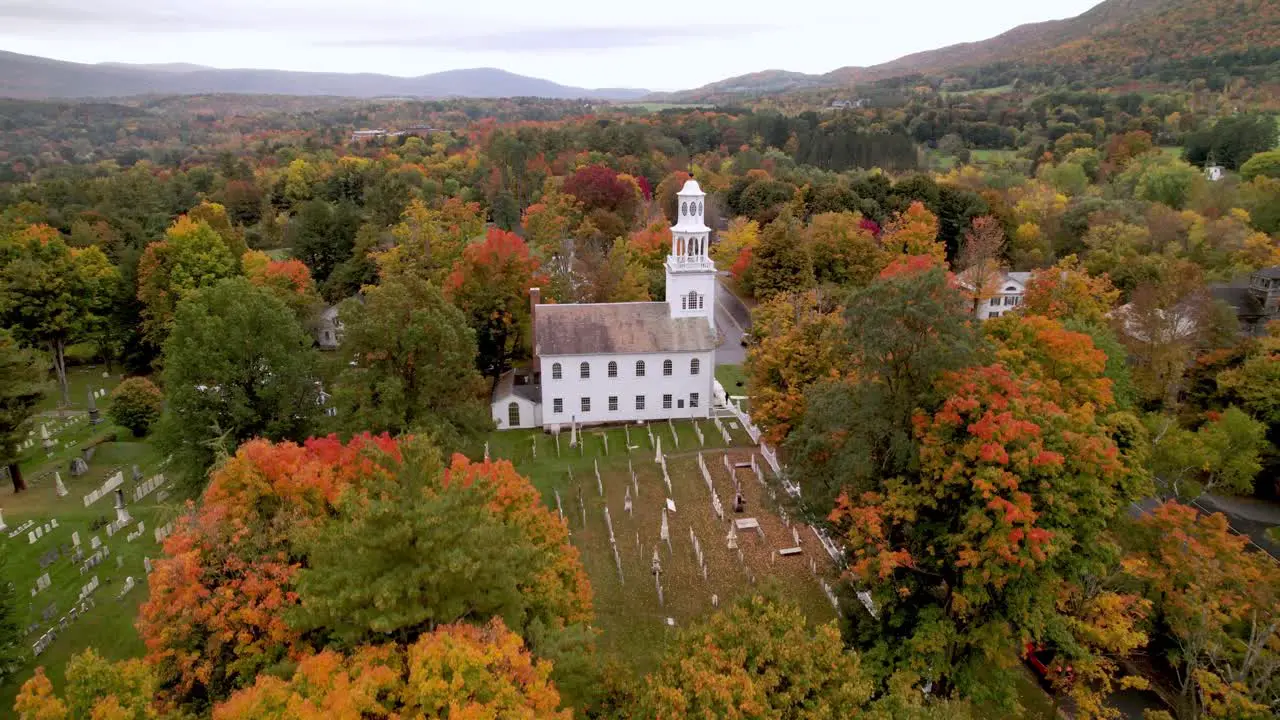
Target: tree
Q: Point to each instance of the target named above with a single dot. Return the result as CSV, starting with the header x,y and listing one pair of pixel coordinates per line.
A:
x,y
258,574
430,242
456,671
215,216
600,188
1161,328
1222,455
136,403
236,365
980,260
289,280
409,364
733,247
214,618
1220,606
192,256
1067,292
781,262
914,232
844,251
900,334
323,235
797,343
1015,485
490,284
50,295
22,385
12,652
547,223
419,545
615,276
757,660
1231,140
1264,164
1157,178
96,688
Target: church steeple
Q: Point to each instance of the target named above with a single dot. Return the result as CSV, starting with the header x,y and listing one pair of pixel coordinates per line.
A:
x,y
691,276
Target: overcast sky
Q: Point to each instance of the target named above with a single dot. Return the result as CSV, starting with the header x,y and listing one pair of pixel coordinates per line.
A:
x,y
586,43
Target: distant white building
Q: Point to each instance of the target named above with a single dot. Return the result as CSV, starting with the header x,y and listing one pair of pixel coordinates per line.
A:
x,y
328,329
625,362
1007,294
1215,172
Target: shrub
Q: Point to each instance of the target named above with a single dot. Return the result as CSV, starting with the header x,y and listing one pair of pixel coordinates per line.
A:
x,y
135,404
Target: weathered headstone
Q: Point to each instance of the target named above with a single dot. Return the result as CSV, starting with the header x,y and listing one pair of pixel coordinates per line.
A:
x,y
146,564
3,527
78,467
57,483
137,474
93,410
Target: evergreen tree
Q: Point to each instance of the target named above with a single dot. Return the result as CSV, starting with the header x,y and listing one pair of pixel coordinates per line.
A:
x,y
22,384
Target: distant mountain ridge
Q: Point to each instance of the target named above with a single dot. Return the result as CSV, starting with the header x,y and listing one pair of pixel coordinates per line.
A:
x,y
1113,36
30,77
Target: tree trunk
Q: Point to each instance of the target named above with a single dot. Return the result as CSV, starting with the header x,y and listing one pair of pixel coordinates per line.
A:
x,y
59,351
15,474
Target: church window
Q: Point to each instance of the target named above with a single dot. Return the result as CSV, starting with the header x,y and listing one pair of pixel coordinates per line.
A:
x,y
639,368
666,402
700,301
613,403
586,404
557,405
613,369
693,400
684,208
694,366
666,367
513,415
639,402
555,371
584,371
699,209
692,300
684,303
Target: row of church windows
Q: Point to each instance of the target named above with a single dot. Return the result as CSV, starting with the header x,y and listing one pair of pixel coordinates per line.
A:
x,y
694,207
557,404
584,369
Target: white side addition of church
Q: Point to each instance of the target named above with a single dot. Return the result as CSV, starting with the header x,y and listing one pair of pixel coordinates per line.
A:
x,y
625,362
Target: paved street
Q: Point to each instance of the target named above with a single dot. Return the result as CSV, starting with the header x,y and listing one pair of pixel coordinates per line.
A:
x,y
732,320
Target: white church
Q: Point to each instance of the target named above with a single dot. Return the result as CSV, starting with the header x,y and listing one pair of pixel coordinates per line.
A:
x,y
625,362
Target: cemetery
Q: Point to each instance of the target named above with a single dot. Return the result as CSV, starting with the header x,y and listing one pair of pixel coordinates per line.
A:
x,y
672,520
81,533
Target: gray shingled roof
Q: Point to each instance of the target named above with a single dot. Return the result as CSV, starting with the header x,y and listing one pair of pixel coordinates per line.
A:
x,y
614,328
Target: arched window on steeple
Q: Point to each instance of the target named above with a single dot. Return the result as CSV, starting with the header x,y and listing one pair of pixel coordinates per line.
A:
x,y
692,300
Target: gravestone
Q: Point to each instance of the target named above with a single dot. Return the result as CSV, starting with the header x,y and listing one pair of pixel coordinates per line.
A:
x,y
75,538
57,481
146,564
122,513
3,527
78,467
137,474
95,543
93,410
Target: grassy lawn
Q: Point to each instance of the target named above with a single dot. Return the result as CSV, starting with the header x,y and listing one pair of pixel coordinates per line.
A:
x,y
79,381
992,156
634,624
1274,533
108,626
734,380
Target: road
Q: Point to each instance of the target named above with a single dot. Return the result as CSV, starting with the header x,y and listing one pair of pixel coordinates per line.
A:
x,y
733,319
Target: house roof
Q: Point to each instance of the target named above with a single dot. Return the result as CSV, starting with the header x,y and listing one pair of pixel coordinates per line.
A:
x,y
1240,298
1271,273
507,388
1021,278
616,328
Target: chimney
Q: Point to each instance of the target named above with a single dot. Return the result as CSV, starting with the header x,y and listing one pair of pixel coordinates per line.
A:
x,y
535,297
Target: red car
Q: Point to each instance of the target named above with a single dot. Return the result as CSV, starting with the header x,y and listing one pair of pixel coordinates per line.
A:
x,y
1044,661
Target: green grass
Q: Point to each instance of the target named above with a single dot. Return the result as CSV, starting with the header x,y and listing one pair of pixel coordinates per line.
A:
x,y
79,382
109,626
627,610
1174,151
992,156
280,253
1274,533
734,380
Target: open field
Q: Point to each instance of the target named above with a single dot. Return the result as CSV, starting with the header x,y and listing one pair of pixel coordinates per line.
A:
x,y
634,622
992,156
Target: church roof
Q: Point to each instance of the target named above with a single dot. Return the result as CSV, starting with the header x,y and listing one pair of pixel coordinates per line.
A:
x,y
618,328
691,187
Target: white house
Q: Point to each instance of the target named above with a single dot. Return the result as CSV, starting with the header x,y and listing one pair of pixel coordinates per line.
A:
x,y
328,329
1007,293
625,362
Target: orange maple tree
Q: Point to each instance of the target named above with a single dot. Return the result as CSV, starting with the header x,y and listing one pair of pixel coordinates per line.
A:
x,y
458,671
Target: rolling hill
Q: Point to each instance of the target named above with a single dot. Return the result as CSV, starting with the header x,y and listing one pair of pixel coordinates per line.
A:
x,y
30,77
1113,41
